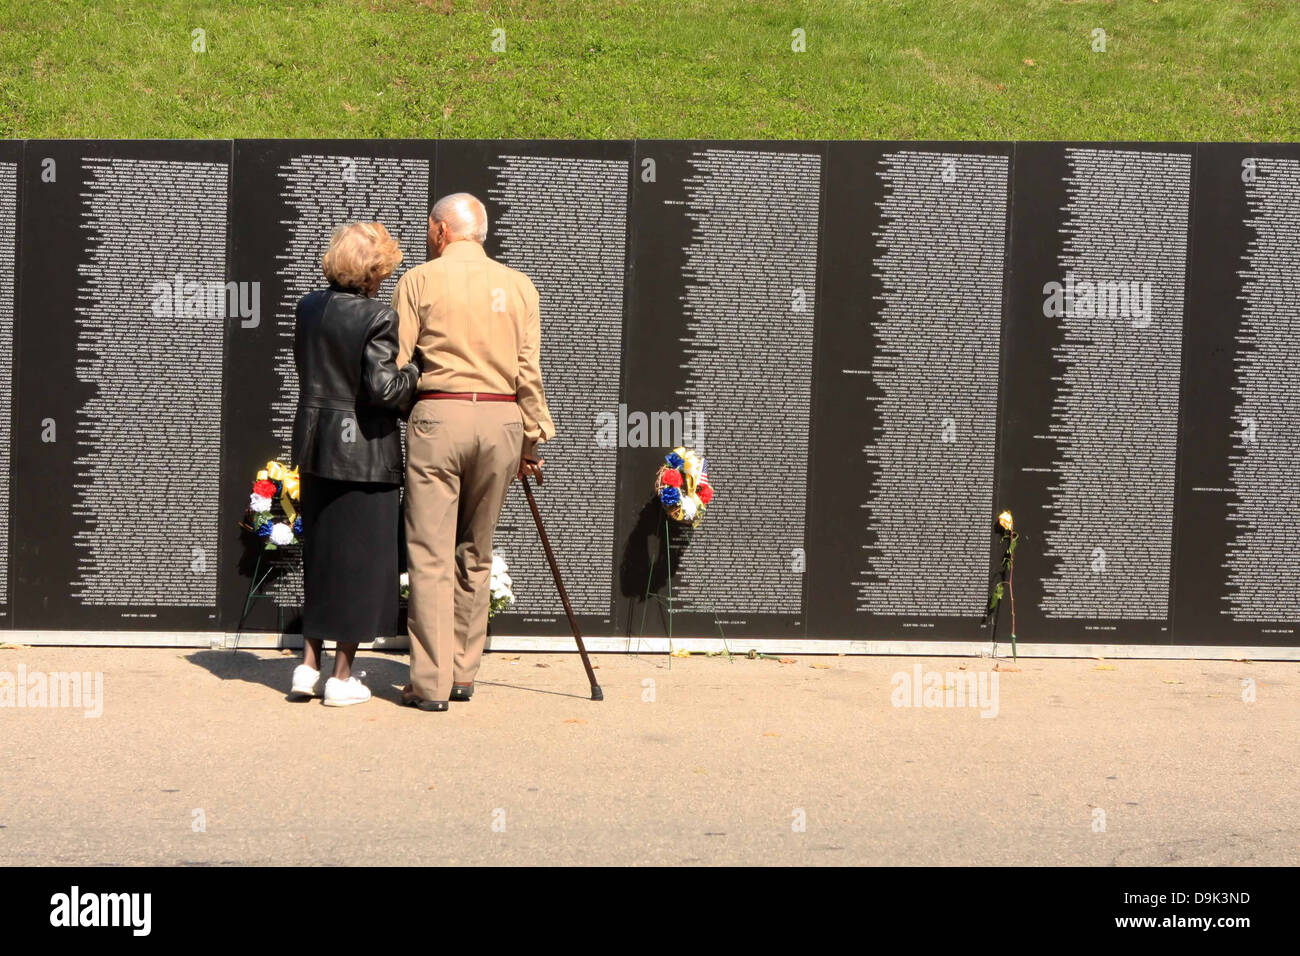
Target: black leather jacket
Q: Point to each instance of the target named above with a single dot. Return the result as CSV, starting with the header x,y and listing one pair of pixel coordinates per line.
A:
x,y
350,390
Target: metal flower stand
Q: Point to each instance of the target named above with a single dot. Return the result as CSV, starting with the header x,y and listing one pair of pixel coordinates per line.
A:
x,y
667,602
262,571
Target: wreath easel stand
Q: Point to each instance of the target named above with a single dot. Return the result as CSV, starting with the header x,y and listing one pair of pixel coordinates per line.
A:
x,y
262,572
667,603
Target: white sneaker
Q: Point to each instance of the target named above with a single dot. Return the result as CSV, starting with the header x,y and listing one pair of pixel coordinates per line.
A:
x,y
345,693
306,681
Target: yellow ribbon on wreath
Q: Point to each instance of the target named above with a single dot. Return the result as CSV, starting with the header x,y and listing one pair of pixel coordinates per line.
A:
x,y
290,485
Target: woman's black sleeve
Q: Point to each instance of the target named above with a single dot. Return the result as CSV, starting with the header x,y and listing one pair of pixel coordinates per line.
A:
x,y
386,385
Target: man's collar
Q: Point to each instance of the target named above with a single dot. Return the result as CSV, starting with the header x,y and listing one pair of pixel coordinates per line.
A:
x,y
463,249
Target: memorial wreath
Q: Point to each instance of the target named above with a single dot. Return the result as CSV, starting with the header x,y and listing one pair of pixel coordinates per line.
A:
x,y
683,487
272,513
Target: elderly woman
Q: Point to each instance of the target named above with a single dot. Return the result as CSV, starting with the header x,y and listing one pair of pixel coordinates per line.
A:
x,y
348,449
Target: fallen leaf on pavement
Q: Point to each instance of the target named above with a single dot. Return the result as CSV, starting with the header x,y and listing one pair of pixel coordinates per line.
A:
x,y
821,667
1104,667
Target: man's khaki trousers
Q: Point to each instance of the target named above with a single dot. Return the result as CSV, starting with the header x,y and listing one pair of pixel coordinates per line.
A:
x,y
461,456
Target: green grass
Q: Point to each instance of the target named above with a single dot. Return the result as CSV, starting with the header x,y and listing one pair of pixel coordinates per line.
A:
x,y
874,69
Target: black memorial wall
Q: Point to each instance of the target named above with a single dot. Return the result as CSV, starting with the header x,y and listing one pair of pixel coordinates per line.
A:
x,y
876,345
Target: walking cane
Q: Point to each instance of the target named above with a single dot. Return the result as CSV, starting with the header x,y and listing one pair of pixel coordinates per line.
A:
x,y
596,692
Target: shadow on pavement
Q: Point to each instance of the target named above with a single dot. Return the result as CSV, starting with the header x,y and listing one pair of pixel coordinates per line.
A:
x,y
531,690
385,676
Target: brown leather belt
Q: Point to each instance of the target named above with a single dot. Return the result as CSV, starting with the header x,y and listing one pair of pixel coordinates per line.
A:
x,y
467,396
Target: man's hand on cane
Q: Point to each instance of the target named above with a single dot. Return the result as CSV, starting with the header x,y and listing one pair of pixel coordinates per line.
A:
x,y
530,467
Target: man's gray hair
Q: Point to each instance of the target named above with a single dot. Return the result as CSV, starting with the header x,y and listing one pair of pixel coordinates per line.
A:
x,y
464,216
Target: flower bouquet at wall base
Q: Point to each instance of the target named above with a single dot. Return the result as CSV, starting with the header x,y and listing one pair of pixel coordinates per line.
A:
x,y
272,514
500,585
1004,580
683,487
503,595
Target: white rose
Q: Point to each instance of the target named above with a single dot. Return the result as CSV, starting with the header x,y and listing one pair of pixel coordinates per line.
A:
x,y
404,580
690,504
259,504
281,533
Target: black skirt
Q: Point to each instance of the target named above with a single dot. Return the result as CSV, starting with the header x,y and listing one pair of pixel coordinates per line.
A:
x,y
349,559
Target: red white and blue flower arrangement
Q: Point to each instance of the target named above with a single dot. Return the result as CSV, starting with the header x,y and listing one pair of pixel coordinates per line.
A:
x,y
272,507
683,486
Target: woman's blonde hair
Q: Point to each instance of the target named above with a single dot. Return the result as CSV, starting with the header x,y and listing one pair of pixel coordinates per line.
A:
x,y
360,256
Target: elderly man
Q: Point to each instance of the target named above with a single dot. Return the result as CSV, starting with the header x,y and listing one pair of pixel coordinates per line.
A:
x,y
472,326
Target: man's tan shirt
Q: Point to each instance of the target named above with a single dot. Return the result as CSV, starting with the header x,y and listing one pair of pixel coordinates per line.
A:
x,y
474,325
